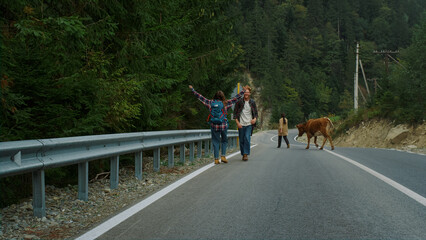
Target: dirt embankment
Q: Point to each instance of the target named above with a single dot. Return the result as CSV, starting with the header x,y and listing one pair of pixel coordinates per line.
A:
x,y
382,134
385,134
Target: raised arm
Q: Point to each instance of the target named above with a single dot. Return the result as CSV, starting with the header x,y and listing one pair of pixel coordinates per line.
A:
x,y
235,99
200,97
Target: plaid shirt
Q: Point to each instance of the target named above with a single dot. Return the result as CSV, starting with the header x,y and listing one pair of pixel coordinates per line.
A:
x,y
229,103
239,108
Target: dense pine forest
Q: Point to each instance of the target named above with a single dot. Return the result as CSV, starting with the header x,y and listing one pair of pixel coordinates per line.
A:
x,y
302,54
83,67
91,67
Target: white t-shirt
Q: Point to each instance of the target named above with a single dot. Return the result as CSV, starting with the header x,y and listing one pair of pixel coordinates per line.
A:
x,y
245,117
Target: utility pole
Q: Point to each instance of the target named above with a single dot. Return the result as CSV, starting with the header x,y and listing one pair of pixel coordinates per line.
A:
x,y
387,55
356,79
375,84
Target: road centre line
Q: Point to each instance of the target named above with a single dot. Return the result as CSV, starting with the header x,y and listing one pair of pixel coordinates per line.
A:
x,y
399,187
117,219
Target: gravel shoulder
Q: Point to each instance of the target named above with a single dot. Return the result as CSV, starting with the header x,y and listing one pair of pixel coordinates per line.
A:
x,y
69,217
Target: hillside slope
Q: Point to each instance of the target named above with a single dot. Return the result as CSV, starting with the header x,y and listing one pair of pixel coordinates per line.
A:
x,y
382,134
385,134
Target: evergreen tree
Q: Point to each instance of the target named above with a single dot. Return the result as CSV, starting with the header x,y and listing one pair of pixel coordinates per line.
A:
x,y
408,83
77,68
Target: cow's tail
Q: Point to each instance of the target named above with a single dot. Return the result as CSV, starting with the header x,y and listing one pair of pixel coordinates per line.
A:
x,y
331,123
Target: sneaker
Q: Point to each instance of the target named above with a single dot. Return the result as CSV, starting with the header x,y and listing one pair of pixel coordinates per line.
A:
x,y
223,159
216,161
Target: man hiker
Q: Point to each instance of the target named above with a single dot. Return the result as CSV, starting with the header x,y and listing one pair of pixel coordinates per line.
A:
x,y
245,117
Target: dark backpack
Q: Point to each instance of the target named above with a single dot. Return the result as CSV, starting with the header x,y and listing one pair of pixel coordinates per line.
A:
x,y
217,112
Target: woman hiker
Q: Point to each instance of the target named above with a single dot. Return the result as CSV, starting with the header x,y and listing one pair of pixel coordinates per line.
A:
x,y
218,124
283,130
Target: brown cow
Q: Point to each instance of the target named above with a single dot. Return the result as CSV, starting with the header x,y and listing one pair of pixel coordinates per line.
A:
x,y
317,127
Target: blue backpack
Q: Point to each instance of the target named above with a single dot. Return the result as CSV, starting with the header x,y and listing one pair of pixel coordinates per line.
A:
x,y
217,112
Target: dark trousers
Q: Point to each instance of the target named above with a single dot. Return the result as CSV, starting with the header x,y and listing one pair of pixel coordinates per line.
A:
x,y
218,141
285,139
244,134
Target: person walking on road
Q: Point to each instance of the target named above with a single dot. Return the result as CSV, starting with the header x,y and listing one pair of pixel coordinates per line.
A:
x,y
245,114
218,121
283,130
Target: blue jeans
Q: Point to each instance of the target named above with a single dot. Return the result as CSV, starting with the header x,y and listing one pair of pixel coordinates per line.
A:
x,y
218,141
244,134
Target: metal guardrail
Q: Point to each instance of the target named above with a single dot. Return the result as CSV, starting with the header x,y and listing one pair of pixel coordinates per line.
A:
x,y
19,157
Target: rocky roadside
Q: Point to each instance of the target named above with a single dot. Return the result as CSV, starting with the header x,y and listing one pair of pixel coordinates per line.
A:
x,y
380,134
68,217
385,134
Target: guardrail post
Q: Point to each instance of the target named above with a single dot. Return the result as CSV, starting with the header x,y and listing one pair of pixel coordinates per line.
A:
x,y
182,153
138,165
199,149
191,151
39,194
206,148
114,169
157,160
171,156
83,181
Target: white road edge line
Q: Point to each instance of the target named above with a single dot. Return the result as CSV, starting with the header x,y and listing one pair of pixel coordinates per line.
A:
x,y
399,187
417,197
117,219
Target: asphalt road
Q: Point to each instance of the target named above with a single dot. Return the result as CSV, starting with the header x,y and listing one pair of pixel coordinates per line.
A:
x,y
292,194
